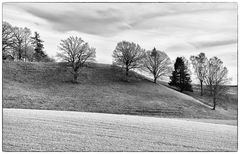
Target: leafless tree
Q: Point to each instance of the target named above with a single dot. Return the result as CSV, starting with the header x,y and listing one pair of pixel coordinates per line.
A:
x,y
76,52
29,53
21,37
7,36
128,55
157,63
200,67
26,43
216,78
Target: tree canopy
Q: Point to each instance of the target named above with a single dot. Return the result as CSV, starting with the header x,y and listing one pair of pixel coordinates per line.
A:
x,y
38,47
18,43
76,52
128,55
216,78
180,76
199,63
157,63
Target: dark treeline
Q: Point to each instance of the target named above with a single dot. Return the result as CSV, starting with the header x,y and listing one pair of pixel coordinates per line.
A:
x,y
18,44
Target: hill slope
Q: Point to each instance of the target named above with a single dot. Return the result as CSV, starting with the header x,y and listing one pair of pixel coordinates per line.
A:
x,y
101,88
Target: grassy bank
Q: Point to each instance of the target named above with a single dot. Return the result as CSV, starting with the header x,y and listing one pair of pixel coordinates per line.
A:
x,y
101,88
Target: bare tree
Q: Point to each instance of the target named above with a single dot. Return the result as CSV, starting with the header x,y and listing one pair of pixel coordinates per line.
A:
x,y
26,42
29,53
20,38
128,55
200,67
157,63
216,78
7,36
76,52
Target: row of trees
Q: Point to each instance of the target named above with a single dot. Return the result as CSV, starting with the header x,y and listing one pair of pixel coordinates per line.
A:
x,y
212,73
130,56
18,43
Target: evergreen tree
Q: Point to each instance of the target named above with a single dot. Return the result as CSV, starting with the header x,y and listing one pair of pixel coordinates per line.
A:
x,y
180,76
38,47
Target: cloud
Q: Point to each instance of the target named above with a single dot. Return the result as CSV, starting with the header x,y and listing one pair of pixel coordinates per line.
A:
x,y
79,18
181,14
110,19
179,29
206,44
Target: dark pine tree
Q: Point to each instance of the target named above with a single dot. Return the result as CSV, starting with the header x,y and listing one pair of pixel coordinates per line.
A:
x,y
38,47
180,76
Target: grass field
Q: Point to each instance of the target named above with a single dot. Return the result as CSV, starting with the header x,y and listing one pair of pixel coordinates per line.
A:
x,y
102,88
226,103
41,130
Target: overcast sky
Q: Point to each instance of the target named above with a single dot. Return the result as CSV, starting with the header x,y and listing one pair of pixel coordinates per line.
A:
x,y
179,29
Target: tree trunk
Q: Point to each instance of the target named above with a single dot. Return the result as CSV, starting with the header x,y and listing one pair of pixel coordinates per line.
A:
x,y
75,76
19,52
201,87
19,55
155,80
127,71
214,102
211,90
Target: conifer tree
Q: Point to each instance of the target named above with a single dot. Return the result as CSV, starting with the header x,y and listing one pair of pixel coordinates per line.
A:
x,y
180,76
38,47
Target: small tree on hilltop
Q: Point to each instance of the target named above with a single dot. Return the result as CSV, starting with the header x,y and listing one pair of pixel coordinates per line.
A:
x,y
157,63
38,47
76,52
128,55
200,66
180,76
216,78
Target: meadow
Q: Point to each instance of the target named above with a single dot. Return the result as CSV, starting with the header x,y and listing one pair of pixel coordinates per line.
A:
x,y
102,88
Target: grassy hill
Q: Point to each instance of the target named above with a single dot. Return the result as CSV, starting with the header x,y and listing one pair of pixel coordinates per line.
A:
x,y
227,102
101,88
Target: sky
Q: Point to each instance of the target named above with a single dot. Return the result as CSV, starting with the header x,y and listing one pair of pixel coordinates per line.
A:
x,y
179,29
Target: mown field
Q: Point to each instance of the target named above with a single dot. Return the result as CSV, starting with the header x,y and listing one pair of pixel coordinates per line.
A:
x,y
41,130
102,88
